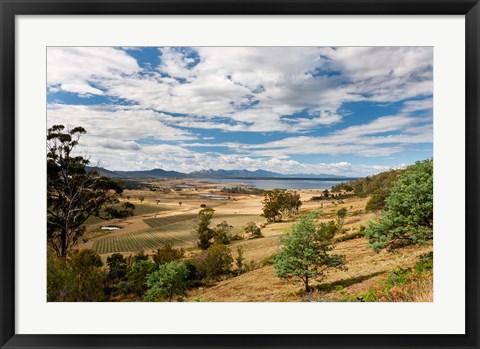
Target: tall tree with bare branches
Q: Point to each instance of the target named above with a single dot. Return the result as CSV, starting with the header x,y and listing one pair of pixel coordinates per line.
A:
x,y
75,194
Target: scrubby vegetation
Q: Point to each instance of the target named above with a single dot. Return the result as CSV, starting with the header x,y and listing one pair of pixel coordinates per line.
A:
x,y
169,280
356,234
377,187
77,278
401,285
214,262
168,253
206,236
242,190
408,218
252,230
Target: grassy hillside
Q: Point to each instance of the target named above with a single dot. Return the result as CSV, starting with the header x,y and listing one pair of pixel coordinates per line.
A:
x,y
366,270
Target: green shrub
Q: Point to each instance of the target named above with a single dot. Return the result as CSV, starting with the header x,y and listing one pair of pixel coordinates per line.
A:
x,y
341,214
140,256
194,278
351,236
400,276
250,266
270,260
377,201
168,281
252,229
222,233
136,282
425,263
409,216
239,260
77,278
397,277
117,271
369,296
168,253
214,262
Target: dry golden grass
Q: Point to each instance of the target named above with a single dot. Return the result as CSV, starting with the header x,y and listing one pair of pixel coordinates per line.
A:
x,y
260,285
365,269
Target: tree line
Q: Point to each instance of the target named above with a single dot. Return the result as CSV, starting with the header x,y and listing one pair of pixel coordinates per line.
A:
x,y
377,187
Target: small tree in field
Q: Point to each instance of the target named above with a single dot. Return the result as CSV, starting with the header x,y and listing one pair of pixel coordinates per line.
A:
x,y
305,252
277,203
341,214
75,194
239,260
203,232
168,253
214,262
252,229
141,198
223,233
272,205
168,281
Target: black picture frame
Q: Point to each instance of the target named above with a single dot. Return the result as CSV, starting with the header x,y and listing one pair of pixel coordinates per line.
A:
x,y
11,8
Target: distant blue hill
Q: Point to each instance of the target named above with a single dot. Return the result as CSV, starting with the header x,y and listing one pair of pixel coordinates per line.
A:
x,y
148,174
255,174
155,173
238,174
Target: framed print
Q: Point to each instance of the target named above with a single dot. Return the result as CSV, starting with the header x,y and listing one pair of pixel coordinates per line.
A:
x,y
239,174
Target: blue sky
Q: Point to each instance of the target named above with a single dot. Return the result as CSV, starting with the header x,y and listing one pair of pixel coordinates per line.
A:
x,y
336,110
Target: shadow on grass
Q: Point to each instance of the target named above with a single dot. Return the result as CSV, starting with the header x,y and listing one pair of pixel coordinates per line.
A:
x,y
332,286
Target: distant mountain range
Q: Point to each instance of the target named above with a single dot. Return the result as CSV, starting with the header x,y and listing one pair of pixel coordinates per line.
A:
x,y
255,174
234,174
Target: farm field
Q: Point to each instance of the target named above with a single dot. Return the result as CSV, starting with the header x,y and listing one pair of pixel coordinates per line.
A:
x,y
172,220
156,224
176,229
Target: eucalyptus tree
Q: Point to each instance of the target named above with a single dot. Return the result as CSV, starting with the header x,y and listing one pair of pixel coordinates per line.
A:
x,y
74,193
